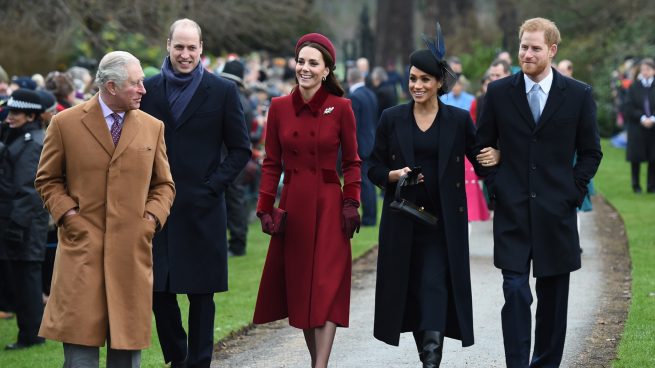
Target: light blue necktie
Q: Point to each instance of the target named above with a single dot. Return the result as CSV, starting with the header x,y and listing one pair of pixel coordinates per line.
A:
x,y
533,101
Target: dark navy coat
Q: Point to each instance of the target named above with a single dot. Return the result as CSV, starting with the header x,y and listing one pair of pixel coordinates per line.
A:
x,y
536,188
190,253
394,150
365,108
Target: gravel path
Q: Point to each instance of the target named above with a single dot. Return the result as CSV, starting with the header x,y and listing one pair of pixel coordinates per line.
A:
x,y
276,345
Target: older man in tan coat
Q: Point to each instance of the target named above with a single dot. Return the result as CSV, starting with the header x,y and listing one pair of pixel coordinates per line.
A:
x,y
105,179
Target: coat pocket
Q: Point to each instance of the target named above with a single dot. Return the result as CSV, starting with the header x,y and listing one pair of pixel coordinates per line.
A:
x,y
330,176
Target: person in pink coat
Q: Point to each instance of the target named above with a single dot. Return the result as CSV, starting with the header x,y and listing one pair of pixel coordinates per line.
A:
x,y
307,272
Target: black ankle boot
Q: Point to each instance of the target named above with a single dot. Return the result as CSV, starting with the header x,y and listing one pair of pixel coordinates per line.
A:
x,y
431,348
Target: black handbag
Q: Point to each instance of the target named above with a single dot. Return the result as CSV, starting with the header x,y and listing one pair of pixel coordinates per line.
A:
x,y
411,210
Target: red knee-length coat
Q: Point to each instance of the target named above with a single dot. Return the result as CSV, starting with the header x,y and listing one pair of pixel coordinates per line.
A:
x,y
307,272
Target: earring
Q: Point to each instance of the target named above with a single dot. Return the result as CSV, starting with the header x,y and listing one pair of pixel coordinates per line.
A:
x,y
324,78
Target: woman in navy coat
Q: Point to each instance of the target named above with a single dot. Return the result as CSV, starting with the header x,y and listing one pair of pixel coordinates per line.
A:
x,y
307,272
423,279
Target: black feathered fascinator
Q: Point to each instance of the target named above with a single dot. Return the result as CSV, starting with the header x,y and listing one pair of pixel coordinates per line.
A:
x,y
432,61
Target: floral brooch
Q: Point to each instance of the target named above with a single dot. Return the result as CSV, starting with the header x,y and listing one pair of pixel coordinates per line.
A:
x,y
328,110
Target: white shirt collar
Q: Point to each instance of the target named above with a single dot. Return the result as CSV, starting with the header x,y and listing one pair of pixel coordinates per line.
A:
x,y
355,86
106,111
545,83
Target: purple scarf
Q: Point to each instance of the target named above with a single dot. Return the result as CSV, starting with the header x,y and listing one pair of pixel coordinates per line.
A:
x,y
180,87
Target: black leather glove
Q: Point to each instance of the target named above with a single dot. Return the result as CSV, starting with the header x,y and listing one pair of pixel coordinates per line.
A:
x,y
413,176
14,234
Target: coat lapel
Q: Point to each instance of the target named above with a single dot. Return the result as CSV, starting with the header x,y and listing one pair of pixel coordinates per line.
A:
x,y
447,132
556,97
520,99
95,122
158,90
131,125
196,101
403,127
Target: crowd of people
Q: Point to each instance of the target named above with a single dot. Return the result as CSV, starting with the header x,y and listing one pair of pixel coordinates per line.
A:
x,y
150,177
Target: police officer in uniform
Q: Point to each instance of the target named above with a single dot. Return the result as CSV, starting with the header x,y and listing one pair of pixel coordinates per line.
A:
x,y
23,220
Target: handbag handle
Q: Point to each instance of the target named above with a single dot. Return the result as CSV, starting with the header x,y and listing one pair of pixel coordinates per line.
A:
x,y
399,185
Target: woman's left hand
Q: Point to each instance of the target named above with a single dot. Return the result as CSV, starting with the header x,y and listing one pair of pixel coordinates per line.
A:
x,y
488,157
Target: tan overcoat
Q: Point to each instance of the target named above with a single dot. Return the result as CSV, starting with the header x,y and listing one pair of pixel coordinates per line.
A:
x,y
102,280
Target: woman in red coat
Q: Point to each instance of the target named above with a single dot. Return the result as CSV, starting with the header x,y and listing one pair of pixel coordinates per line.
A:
x,y
307,272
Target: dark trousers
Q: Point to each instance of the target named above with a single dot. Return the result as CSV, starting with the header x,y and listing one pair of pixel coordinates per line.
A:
x,y
368,197
550,328
80,356
236,203
6,292
28,303
650,179
172,337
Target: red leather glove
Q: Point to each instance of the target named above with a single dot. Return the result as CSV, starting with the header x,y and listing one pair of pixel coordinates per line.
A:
x,y
350,215
267,222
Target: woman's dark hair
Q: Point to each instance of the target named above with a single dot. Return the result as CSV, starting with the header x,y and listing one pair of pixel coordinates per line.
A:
x,y
331,82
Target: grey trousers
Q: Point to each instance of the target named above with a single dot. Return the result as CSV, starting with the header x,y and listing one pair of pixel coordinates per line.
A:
x,y
80,356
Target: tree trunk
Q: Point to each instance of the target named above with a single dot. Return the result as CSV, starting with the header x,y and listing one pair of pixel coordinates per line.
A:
x,y
394,31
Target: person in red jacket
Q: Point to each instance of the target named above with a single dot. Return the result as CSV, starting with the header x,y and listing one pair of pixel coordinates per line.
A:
x,y
307,272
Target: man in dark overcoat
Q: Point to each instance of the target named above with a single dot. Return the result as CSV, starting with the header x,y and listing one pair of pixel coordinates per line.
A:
x,y
638,110
201,113
539,119
365,108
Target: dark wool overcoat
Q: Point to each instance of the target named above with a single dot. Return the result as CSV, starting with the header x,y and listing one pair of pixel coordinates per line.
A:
x,y
536,187
190,253
394,150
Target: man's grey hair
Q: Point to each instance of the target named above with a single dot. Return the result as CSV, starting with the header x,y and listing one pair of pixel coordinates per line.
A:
x,y
113,67
379,74
185,22
354,75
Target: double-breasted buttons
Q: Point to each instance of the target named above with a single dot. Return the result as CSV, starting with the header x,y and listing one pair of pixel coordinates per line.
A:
x,y
533,167
393,156
458,184
312,133
533,195
461,209
295,133
457,158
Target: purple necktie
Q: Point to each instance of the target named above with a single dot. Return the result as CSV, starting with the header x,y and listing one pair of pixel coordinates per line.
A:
x,y
116,128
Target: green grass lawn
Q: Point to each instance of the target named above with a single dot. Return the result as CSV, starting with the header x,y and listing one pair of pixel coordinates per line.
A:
x,y
234,309
637,348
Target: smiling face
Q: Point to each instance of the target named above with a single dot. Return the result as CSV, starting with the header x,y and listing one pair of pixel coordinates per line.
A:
x,y
535,55
184,49
423,86
310,69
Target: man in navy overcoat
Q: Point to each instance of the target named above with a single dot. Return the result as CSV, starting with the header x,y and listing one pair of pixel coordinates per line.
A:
x,y
201,113
536,189
365,108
